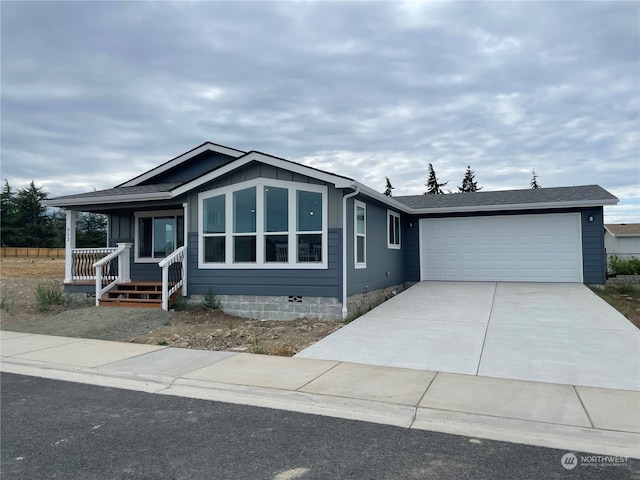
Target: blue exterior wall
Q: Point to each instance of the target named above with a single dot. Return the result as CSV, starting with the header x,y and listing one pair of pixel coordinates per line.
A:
x,y
385,266
593,252
276,282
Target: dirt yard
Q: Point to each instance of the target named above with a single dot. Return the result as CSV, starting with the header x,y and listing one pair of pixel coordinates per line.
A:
x,y
197,328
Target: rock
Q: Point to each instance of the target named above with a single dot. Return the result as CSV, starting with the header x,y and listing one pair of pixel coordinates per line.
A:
x,y
175,336
184,345
217,333
226,334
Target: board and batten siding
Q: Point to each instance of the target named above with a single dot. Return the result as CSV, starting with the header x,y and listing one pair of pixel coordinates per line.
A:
x,y
593,252
275,282
257,170
192,169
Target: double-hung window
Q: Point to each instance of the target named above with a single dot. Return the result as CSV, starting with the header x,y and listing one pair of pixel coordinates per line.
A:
x,y
393,229
158,234
263,223
360,234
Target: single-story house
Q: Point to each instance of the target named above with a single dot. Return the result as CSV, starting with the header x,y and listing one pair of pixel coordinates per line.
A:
x,y
622,239
275,239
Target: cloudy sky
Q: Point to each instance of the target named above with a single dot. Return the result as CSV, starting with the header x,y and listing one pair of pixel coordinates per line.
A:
x,y
96,93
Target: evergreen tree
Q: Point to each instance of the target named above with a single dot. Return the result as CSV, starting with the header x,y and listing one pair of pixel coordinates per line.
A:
x,y
31,217
388,188
91,230
433,185
468,182
534,180
10,232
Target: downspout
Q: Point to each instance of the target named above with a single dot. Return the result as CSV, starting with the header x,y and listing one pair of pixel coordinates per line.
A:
x,y
185,228
355,192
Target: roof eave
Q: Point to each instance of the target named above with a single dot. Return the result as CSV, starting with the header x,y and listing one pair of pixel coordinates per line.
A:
x,y
380,196
517,206
110,199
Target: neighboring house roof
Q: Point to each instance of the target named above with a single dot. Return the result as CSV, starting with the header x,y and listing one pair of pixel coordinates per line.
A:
x,y
623,229
556,197
133,191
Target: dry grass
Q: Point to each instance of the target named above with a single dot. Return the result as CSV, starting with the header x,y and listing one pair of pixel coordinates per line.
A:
x,y
624,298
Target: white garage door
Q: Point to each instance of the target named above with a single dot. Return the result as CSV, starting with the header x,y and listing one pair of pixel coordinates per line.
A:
x,y
510,248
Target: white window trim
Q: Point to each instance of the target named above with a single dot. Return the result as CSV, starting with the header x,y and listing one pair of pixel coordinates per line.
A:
x,y
363,205
147,214
293,232
395,246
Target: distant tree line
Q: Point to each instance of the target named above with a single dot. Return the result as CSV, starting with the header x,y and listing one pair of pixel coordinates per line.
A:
x,y
469,184
25,221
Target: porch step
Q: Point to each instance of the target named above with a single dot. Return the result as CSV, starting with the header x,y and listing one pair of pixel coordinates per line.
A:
x,y
134,294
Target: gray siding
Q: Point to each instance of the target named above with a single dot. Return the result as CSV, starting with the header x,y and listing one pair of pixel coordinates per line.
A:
x,y
316,283
594,259
385,266
193,168
593,252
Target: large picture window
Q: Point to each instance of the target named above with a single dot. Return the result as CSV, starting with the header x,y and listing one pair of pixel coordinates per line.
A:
x,y
158,234
265,224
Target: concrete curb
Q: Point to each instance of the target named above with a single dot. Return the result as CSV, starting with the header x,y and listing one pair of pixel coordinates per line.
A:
x,y
570,438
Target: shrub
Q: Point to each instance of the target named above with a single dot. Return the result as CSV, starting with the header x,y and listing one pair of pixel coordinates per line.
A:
x,y
210,301
48,295
624,266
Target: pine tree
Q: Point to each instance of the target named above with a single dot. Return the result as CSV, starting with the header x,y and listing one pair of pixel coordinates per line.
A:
x,y
388,188
468,182
92,230
433,185
31,216
10,232
534,180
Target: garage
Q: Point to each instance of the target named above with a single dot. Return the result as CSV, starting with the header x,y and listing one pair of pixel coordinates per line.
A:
x,y
506,248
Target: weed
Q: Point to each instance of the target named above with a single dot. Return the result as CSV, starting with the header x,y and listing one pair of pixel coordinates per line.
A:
x,y
353,316
6,303
50,294
255,348
163,343
628,289
210,301
181,305
624,266
282,350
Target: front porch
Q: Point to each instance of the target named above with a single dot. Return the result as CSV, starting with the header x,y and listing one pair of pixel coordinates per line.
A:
x,y
106,272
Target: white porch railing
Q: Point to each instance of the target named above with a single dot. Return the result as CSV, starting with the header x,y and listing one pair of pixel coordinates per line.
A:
x,y
82,260
173,274
118,260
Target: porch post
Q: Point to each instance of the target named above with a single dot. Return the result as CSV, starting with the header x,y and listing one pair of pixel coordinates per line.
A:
x,y
186,222
69,244
124,263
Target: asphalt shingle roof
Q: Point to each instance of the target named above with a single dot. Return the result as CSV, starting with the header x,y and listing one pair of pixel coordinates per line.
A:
x,y
585,193
624,228
117,191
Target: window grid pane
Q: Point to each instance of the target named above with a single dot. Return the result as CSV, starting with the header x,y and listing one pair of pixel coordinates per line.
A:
x,y
276,209
244,210
309,211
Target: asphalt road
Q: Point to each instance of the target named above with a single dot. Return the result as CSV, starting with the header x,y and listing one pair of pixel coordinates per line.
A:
x,y
60,430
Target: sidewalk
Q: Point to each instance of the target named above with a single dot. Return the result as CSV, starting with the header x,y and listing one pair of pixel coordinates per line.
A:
x,y
571,418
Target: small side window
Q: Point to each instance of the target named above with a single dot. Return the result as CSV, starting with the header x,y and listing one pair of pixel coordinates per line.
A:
x,y
393,229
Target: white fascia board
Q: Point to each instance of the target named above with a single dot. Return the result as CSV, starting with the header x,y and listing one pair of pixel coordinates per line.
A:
x,y
180,159
610,232
139,197
339,182
517,206
369,192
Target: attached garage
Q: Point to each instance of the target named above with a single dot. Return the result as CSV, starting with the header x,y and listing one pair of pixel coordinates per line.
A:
x,y
506,248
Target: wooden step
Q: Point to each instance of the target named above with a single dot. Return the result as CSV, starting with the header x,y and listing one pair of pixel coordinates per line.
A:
x,y
130,302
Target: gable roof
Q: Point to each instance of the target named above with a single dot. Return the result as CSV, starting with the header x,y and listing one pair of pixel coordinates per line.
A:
x,y
623,229
140,189
180,159
556,197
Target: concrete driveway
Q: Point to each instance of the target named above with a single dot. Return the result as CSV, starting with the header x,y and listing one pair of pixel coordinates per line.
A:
x,y
544,332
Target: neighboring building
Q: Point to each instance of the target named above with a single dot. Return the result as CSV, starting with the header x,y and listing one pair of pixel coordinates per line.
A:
x,y
622,239
276,239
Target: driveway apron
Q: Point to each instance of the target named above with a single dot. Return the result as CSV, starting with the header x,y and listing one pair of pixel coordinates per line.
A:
x,y
545,332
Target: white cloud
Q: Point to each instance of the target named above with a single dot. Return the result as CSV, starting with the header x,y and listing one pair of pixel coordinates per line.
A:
x,y
95,93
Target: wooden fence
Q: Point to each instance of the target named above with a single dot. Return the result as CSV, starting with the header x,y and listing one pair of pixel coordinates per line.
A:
x,y
11,252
